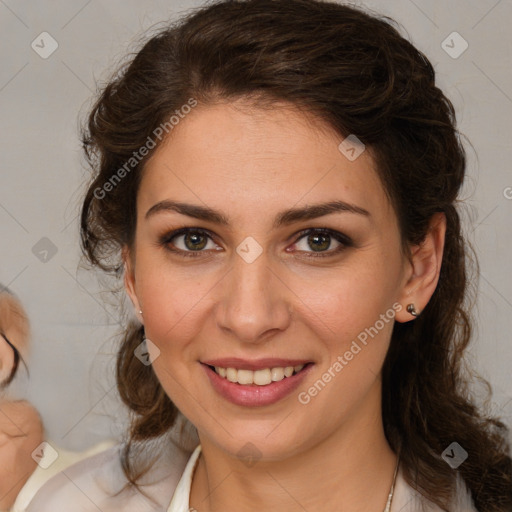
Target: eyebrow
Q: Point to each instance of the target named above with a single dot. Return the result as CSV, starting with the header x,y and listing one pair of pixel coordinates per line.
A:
x,y
284,218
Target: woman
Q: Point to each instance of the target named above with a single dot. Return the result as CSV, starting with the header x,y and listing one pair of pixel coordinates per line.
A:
x,y
278,179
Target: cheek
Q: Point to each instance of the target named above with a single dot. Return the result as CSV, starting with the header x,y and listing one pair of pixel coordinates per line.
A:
x,y
171,304
343,303
351,314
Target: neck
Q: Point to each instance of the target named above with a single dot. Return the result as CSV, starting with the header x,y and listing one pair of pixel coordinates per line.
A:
x,y
351,470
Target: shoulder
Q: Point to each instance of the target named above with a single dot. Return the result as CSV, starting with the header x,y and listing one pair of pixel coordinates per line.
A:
x,y
54,460
406,499
99,483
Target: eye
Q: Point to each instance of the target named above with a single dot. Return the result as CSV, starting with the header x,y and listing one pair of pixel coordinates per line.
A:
x,y
320,240
188,241
191,242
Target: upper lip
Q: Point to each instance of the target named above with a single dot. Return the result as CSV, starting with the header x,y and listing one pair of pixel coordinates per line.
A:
x,y
255,364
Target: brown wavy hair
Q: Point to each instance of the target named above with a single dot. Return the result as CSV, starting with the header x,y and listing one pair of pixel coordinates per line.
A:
x,y
356,72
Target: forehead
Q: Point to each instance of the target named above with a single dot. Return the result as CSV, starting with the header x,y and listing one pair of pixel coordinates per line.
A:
x,y
248,158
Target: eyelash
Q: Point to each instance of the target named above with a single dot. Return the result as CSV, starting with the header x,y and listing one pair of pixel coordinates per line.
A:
x,y
344,240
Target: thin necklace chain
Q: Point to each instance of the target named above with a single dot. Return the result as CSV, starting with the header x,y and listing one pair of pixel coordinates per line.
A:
x,y
390,496
387,508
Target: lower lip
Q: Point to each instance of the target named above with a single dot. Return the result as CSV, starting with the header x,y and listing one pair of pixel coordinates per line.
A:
x,y
253,395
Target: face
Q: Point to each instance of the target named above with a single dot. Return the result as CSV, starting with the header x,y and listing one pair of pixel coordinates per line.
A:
x,y
252,288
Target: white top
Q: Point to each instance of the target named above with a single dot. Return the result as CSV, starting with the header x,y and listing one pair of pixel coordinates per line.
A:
x,y
54,460
181,499
92,484
405,499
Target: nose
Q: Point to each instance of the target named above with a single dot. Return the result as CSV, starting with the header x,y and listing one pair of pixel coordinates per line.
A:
x,y
254,302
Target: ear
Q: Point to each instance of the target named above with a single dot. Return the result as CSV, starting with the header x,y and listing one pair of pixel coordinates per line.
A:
x,y
425,267
129,283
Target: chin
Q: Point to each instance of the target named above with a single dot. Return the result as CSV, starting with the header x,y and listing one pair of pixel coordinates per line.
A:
x,y
269,440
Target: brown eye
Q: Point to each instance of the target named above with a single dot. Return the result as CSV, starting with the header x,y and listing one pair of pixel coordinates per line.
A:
x,y
188,241
320,240
195,241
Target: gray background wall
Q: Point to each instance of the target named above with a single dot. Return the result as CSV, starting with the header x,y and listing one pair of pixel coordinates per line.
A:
x,y
71,380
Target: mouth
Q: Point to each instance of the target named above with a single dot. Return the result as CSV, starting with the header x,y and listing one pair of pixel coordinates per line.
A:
x,y
256,384
262,377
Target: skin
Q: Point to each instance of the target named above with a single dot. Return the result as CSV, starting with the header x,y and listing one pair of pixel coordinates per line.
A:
x,y
21,432
251,164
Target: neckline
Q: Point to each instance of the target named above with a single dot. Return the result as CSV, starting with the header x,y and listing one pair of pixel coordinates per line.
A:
x,y
181,498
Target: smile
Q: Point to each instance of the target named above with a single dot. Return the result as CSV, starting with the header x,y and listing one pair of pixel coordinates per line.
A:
x,y
262,377
256,384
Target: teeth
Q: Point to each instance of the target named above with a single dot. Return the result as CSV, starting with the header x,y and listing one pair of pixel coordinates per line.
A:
x,y
262,377
258,377
277,374
245,377
232,375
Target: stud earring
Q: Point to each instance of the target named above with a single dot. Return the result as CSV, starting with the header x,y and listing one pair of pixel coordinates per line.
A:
x,y
412,310
140,311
